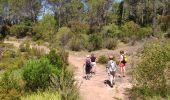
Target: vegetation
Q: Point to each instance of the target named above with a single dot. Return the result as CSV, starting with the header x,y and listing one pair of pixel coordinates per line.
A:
x,y
152,75
80,25
47,95
28,72
102,59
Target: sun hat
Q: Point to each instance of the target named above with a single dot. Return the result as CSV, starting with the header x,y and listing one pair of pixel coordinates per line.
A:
x,y
88,56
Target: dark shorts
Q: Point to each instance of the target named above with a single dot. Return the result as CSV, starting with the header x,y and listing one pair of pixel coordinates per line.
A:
x,y
88,69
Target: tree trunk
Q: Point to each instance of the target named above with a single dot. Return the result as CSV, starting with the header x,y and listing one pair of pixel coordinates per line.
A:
x,y
154,23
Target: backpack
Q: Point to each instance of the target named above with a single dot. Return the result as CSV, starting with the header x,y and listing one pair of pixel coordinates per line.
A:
x,y
125,59
113,66
88,62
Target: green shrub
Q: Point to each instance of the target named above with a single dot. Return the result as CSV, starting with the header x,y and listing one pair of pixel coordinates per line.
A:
x,y
78,27
11,86
65,35
45,29
20,30
95,40
102,59
110,43
129,29
4,30
68,89
144,32
36,74
55,59
152,74
11,59
47,95
78,42
111,31
64,56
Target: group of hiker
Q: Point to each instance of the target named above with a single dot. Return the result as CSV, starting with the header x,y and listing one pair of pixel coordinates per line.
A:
x,y
111,67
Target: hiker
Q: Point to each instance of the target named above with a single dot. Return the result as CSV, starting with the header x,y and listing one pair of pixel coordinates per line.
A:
x,y
87,67
111,69
122,62
93,63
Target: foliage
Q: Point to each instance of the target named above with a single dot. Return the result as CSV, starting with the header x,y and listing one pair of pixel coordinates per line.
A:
x,y
144,32
4,31
78,42
36,74
152,74
78,27
11,85
102,59
111,30
25,46
55,59
129,29
11,59
110,43
45,29
47,95
20,30
68,89
63,36
95,40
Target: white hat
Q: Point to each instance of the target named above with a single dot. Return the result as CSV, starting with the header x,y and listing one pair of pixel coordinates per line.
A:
x,y
88,56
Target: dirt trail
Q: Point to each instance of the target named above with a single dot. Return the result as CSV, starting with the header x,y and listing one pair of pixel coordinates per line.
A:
x,y
95,89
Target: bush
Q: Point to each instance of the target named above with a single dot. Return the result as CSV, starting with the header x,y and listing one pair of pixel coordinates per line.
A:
x,y
63,36
110,43
68,89
55,59
78,42
95,40
102,59
45,29
144,32
20,30
129,29
151,75
78,27
64,56
11,59
11,86
36,74
47,95
4,31
111,31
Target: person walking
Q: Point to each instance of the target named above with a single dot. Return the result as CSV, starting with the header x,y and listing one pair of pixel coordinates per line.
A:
x,y
93,63
87,67
111,69
122,62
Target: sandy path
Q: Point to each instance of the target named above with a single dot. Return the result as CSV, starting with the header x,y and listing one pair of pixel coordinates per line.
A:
x,y
95,89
